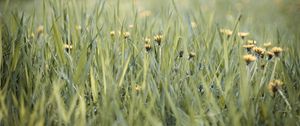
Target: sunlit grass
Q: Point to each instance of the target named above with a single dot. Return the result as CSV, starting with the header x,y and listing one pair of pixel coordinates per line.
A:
x,y
117,63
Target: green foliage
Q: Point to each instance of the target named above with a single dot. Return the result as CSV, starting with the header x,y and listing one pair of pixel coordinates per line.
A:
x,y
60,65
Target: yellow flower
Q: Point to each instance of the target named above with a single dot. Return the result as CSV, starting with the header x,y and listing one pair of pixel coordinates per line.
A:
x,y
194,24
249,58
158,39
130,26
276,51
253,42
267,45
147,40
192,55
259,51
270,55
68,47
227,32
40,30
126,35
243,34
274,86
148,47
137,88
248,47
112,33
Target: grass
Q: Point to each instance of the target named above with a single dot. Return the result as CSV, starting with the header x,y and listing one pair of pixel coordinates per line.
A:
x,y
60,65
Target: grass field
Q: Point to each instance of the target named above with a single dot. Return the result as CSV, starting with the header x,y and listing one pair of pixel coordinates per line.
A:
x,y
149,63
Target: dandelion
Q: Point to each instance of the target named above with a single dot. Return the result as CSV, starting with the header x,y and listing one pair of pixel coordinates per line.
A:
x,y
40,30
243,34
227,32
112,33
249,58
192,55
158,39
126,35
274,86
267,45
147,47
276,51
68,47
147,40
259,51
248,47
194,24
270,55
130,26
253,42
137,88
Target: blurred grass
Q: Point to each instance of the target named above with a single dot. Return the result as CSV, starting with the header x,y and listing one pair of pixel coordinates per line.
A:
x,y
61,66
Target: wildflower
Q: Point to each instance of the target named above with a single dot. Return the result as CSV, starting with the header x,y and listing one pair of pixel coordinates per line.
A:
x,y
192,55
40,30
276,51
249,58
270,55
147,40
248,47
259,51
130,26
158,39
227,32
112,33
137,88
274,86
243,34
267,45
126,35
148,47
253,42
68,47
194,25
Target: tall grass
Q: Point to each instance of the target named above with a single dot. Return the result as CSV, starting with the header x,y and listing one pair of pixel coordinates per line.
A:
x,y
61,66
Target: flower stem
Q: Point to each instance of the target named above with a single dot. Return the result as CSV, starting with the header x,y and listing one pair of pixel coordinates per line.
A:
x,y
285,99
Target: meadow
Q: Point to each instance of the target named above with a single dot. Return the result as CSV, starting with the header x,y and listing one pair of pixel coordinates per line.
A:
x,y
149,63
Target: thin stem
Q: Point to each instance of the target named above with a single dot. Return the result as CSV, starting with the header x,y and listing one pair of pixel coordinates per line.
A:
x,y
263,76
253,68
273,72
285,99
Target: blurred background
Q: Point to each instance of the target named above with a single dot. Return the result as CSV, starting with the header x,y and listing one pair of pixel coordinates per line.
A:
x,y
268,14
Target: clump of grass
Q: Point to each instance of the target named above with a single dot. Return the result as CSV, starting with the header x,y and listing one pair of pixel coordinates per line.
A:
x,y
66,63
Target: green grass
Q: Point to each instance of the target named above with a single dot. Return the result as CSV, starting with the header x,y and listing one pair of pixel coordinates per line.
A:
x,y
113,80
